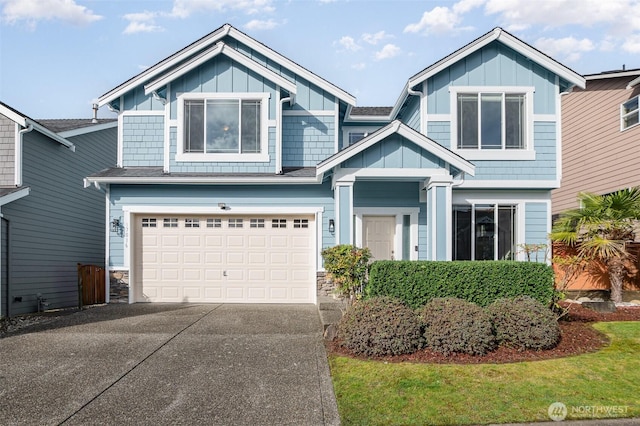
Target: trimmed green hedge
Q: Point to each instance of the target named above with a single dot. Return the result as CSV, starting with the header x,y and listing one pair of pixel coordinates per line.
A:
x,y
481,282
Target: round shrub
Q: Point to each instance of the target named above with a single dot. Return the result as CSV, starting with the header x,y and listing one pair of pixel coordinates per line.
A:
x,y
457,326
380,326
524,323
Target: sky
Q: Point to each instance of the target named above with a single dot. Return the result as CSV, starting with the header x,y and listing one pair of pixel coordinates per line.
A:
x,y
58,56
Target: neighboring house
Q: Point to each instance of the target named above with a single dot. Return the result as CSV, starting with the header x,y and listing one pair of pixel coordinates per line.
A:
x,y
237,166
50,222
600,133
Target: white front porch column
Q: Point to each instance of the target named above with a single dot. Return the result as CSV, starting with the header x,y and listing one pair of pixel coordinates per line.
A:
x,y
439,211
343,197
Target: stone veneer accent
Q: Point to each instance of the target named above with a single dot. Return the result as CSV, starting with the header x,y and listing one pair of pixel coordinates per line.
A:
x,y
325,285
118,286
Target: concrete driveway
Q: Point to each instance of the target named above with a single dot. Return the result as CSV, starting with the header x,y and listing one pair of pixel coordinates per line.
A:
x,y
170,364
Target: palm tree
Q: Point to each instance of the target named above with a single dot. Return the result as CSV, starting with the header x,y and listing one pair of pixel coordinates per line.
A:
x,y
600,230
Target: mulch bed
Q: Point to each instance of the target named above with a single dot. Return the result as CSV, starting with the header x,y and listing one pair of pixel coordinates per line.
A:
x,y
578,337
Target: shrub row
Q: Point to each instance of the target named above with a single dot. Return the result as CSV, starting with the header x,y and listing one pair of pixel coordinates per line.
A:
x,y
386,326
416,283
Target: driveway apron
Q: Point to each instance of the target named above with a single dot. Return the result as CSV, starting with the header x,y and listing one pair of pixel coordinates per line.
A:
x,y
170,364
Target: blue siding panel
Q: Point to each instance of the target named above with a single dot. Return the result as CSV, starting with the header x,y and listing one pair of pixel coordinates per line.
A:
x,y
307,140
394,152
143,140
536,225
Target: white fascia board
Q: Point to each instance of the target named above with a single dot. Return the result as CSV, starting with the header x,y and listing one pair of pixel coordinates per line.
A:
x,y
89,129
437,149
303,72
220,48
16,195
633,83
358,147
208,180
163,65
509,184
406,132
40,128
133,209
508,40
13,116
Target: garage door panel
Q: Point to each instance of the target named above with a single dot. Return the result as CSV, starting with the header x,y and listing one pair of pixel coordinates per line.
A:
x,y
225,259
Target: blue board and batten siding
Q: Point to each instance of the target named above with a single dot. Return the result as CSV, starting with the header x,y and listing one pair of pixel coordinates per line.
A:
x,y
60,223
494,65
316,196
394,152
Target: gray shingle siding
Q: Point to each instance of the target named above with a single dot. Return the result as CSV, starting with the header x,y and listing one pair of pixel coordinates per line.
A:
x,y
60,223
7,151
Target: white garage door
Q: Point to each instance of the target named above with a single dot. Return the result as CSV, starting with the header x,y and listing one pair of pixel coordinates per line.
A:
x,y
244,259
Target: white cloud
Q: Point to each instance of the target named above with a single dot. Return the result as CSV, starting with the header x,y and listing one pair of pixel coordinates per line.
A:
x,y
387,52
33,11
465,6
257,24
375,38
349,44
438,20
632,44
185,8
568,49
142,22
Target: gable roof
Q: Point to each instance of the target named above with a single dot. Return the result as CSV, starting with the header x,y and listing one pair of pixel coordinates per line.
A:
x,y
166,65
497,34
212,52
405,131
66,126
27,122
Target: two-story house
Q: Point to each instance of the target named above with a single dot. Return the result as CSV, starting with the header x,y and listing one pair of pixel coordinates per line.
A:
x,y
49,221
237,166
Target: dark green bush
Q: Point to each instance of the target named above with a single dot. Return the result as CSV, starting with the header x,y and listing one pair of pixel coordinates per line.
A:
x,y
380,326
524,323
457,326
417,282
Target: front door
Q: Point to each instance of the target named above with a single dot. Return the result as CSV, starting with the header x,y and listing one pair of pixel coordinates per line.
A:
x,y
378,234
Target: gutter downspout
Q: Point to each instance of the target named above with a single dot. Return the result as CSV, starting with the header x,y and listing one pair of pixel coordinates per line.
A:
x,y
279,135
18,155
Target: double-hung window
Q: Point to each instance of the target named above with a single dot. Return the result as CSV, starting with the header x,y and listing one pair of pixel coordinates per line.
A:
x,y
493,121
630,113
223,127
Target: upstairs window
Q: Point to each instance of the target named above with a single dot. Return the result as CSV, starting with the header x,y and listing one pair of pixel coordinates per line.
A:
x,y
491,121
224,127
629,113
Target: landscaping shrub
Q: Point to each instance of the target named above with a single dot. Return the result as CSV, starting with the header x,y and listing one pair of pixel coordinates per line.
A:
x,y
524,323
380,326
457,326
417,282
347,266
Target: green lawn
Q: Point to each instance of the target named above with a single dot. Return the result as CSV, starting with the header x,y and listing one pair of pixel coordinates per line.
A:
x,y
378,393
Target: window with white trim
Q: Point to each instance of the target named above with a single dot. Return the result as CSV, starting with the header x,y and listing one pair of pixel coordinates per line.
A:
x,y
300,223
148,222
491,121
223,127
214,223
630,113
256,223
484,232
235,223
192,223
170,222
278,223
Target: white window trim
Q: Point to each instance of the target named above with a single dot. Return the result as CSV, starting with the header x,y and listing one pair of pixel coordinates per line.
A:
x,y
528,153
623,115
263,156
398,213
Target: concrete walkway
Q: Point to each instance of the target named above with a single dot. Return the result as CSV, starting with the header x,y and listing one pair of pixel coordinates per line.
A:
x,y
170,364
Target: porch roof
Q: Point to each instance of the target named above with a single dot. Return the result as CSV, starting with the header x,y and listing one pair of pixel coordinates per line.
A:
x,y
393,128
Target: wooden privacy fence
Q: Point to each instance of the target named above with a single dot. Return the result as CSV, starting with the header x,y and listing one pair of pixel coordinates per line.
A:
x,y
91,285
